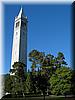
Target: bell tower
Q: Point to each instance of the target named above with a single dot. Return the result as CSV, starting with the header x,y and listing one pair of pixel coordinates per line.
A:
x,y
19,48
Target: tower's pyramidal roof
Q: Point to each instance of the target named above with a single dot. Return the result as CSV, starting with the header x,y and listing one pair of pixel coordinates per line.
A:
x,y
21,13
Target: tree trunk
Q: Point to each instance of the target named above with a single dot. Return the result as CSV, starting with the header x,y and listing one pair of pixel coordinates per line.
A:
x,y
44,95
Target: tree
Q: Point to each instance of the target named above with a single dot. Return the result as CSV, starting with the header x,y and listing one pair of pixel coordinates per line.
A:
x,y
60,60
18,72
41,61
28,87
42,83
61,81
54,70
8,83
73,82
47,73
46,64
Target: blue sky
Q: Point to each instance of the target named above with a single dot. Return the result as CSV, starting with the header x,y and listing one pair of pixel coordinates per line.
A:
x,y
49,29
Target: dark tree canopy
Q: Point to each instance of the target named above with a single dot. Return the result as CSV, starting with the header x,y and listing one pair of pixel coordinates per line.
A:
x,y
49,74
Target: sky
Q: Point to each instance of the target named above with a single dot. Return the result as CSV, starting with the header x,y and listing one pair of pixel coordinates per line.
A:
x,y
49,30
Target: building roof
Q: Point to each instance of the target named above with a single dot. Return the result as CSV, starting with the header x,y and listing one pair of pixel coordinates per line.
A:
x,y
21,13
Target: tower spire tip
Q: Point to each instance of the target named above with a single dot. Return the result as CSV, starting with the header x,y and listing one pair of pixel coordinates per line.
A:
x,y
21,11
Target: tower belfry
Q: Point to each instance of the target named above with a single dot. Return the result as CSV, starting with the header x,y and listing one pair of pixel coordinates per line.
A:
x,y
19,48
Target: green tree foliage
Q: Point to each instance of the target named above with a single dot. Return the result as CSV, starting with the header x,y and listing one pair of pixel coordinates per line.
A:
x,y
42,82
36,56
18,74
44,62
8,83
48,74
54,70
73,82
60,60
28,85
60,81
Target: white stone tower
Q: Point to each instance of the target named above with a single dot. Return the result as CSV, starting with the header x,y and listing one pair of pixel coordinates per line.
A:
x,y
19,48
